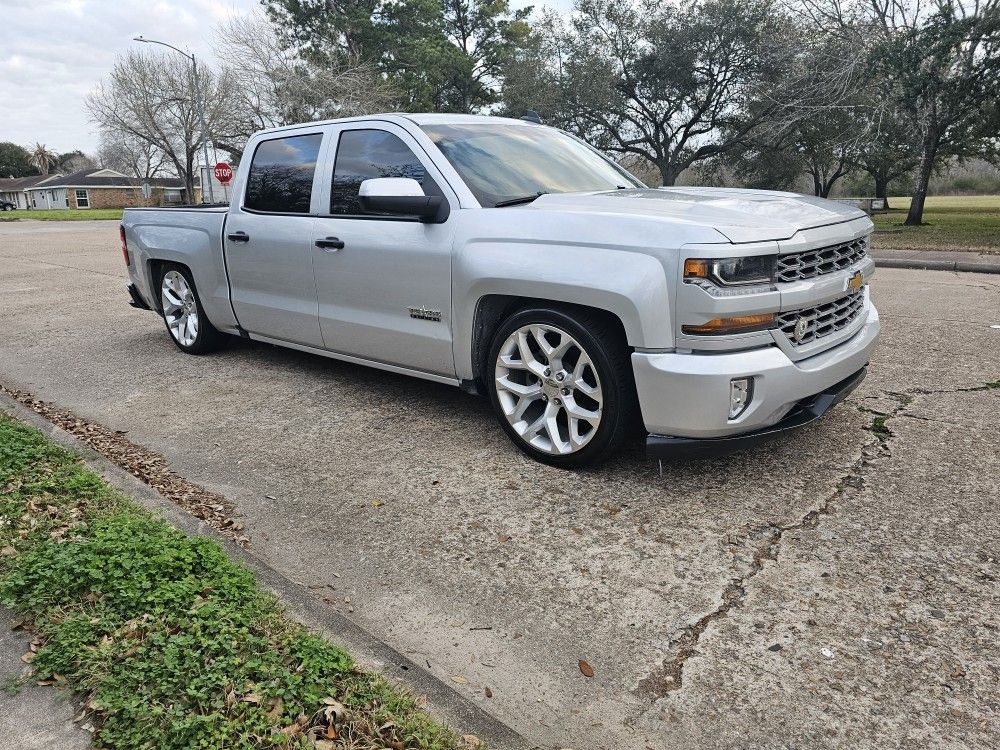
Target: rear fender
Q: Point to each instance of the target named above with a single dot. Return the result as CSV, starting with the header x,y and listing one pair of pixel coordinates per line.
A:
x,y
199,250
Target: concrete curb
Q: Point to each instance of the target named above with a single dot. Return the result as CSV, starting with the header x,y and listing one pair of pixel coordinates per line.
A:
x,y
937,265
464,716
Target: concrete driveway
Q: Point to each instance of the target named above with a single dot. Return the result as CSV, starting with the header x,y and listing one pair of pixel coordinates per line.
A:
x,y
835,588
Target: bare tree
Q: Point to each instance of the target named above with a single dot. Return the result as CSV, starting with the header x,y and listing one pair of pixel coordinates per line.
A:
x,y
149,97
130,155
74,161
273,85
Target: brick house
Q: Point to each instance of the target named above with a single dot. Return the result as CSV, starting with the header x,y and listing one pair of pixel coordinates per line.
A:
x,y
103,188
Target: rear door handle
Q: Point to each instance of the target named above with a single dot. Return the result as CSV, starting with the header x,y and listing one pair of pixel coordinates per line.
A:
x,y
330,243
238,237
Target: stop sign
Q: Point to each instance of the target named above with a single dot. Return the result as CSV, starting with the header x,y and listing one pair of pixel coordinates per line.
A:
x,y
223,173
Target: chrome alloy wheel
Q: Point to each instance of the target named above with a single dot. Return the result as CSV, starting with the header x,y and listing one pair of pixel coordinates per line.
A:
x,y
179,308
548,389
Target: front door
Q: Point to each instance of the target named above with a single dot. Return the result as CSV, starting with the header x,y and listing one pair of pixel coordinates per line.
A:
x,y
384,283
268,242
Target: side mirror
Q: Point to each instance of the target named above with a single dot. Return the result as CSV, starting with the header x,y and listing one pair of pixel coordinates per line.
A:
x,y
400,196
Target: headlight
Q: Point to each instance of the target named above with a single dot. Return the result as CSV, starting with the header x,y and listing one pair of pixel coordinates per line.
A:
x,y
749,271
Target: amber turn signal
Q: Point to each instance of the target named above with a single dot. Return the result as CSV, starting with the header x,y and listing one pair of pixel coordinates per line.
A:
x,y
740,324
696,268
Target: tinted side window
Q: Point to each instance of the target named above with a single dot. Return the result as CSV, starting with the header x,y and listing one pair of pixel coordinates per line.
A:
x,y
281,174
367,154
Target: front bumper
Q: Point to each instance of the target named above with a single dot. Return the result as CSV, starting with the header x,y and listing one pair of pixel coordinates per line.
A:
x,y
806,411
684,398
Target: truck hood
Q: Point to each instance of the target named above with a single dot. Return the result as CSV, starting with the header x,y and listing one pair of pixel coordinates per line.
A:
x,y
739,215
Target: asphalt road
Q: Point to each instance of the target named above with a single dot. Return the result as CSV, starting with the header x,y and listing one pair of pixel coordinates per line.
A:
x,y
834,588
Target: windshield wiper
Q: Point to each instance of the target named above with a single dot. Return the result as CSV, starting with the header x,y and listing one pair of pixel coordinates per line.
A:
x,y
519,201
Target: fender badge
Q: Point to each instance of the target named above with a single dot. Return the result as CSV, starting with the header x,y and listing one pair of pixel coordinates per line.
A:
x,y
856,281
422,313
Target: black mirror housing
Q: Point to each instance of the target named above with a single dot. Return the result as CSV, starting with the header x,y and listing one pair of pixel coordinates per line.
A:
x,y
424,207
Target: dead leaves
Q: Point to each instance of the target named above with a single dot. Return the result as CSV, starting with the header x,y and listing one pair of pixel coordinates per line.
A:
x,y
329,720
150,468
277,708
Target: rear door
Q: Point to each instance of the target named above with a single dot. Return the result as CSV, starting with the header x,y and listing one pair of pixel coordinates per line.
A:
x,y
385,287
268,239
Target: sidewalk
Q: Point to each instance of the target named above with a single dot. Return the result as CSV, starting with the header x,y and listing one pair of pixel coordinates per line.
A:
x,y
937,260
37,717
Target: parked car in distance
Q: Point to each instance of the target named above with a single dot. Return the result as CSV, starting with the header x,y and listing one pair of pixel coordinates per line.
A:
x,y
516,261
7,206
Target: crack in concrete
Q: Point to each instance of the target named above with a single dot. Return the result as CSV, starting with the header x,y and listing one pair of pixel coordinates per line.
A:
x,y
668,677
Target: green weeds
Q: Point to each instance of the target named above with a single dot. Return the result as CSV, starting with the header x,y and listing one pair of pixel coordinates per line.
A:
x,y
169,643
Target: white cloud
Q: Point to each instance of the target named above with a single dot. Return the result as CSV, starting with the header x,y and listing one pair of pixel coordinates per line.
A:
x,y
52,54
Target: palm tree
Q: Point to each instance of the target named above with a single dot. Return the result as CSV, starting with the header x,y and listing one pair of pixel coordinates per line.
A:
x,y
41,157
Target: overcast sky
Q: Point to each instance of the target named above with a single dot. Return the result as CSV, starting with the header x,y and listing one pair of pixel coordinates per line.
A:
x,y
53,52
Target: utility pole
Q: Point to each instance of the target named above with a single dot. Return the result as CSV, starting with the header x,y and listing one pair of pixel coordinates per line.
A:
x,y
207,178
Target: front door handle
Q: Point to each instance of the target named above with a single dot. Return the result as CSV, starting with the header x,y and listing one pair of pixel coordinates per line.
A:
x,y
238,237
330,243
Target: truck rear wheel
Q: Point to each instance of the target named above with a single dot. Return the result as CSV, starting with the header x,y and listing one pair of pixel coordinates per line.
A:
x,y
183,314
561,385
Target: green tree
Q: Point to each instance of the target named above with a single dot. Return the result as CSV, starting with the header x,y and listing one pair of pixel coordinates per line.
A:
x,y
672,84
949,66
941,62
443,55
15,161
889,149
488,34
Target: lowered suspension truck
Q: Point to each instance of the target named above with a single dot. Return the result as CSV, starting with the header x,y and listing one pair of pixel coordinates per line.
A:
x,y
516,261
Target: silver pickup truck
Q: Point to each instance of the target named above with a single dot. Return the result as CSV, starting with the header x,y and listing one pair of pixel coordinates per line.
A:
x,y
516,261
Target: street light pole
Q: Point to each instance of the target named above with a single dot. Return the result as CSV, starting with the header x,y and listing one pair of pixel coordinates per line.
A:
x,y
201,114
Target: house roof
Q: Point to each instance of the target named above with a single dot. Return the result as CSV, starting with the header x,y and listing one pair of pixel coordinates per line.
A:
x,y
99,178
14,184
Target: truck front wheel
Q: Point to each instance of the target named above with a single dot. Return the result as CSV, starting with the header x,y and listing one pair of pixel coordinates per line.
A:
x,y
183,314
561,385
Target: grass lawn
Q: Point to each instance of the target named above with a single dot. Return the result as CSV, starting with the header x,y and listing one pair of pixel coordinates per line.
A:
x,y
166,641
63,214
951,222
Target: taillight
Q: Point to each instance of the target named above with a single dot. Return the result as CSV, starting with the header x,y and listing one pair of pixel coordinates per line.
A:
x,y
121,232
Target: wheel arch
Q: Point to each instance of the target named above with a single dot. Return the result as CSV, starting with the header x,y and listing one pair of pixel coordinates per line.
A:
x,y
493,309
155,268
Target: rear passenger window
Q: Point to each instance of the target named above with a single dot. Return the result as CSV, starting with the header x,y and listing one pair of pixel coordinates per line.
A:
x,y
281,174
367,154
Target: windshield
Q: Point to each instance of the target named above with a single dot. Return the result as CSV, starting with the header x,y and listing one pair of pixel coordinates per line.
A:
x,y
502,162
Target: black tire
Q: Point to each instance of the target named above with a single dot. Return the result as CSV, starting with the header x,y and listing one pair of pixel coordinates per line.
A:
x,y
208,338
604,343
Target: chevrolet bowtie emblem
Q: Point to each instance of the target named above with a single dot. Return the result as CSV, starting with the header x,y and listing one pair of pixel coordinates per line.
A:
x,y
801,329
856,281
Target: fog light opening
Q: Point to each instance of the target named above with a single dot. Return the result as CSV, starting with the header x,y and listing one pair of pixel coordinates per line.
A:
x,y
740,395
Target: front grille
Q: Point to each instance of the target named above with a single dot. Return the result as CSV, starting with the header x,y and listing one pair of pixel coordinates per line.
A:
x,y
822,320
812,263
